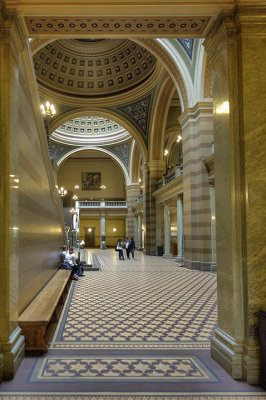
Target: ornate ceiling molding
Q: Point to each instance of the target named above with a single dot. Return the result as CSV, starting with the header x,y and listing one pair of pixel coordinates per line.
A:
x,y
138,26
56,150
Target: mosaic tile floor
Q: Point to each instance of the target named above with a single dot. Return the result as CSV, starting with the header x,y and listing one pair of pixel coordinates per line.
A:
x,y
136,330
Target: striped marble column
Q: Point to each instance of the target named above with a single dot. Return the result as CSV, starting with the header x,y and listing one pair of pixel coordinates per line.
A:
x,y
197,127
132,193
151,174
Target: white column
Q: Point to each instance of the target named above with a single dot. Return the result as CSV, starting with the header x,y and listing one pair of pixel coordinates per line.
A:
x,y
158,226
139,231
213,224
167,232
180,230
103,240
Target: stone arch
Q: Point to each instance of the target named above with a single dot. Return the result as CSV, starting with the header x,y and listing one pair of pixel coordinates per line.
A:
x,y
62,158
160,112
135,162
97,111
174,65
203,76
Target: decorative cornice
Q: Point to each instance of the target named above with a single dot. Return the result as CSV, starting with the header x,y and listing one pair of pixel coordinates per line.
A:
x,y
199,109
168,26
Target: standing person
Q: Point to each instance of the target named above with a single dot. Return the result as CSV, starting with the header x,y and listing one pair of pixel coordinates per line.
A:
x,y
132,248
119,248
127,247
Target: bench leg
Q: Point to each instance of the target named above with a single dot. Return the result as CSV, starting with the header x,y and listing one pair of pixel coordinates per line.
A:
x,y
35,337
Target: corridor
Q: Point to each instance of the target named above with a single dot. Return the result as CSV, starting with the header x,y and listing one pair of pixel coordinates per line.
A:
x,y
138,329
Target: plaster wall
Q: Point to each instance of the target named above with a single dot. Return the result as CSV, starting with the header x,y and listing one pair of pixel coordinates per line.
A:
x,y
111,222
112,177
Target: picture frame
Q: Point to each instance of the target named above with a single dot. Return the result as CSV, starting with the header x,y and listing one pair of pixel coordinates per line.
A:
x,y
91,180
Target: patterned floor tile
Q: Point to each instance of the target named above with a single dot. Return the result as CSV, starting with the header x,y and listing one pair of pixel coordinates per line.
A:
x,y
178,368
161,306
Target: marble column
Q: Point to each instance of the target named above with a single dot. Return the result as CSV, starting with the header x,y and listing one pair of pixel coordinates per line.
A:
x,y
11,340
197,128
132,191
167,232
136,236
139,232
213,223
151,174
180,230
236,44
103,231
158,226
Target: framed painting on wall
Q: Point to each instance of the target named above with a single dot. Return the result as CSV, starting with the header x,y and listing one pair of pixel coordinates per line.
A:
x,y
91,180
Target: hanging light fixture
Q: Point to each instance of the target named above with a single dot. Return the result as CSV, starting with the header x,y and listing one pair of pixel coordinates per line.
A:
x,y
165,152
75,197
76,187
179,138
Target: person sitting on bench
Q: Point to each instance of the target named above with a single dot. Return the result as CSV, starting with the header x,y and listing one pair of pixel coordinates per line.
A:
x,y
71,259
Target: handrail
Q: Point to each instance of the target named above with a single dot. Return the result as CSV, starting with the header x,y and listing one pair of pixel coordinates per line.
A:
x,y
102,204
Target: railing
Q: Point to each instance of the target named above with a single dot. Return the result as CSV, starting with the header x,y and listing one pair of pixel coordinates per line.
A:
x,y
102,204
139,199
177,171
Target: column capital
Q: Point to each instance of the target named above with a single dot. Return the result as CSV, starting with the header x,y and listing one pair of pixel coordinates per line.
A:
x,y
211,182
179,196
193,113
6,21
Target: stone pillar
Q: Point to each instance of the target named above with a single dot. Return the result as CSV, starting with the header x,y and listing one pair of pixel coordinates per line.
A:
x,y
236,44
103,233
213,224
197,127
136,235
132,194
151,174
11,340
180,230
139,232
167,232
158,226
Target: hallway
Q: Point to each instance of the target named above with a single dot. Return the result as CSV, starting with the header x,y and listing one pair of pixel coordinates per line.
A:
x,y
138,329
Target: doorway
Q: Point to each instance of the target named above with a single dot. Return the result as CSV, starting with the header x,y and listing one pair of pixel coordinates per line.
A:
x,y
89,236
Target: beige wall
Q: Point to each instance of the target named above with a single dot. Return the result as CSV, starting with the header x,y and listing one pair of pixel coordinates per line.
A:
x,y
111,222
112,177
40,230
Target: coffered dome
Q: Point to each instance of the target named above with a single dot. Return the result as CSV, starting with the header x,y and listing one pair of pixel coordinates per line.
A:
x,y
91,68
90,130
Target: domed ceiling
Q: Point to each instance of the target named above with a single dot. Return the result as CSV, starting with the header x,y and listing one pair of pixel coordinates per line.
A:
x,y
90,130
93,68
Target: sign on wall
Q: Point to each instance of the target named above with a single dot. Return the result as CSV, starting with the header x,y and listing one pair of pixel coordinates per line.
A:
x,y
91,180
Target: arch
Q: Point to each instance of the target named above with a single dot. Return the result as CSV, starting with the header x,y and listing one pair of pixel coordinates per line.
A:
x,y
160,112
135,162
72,151
203,75
175,66
97,111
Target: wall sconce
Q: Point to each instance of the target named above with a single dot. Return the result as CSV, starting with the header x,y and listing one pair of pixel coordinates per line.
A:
x,y
89,230
179,138
114,229
72,211
76,187
75,197
165,152
62,191
48,110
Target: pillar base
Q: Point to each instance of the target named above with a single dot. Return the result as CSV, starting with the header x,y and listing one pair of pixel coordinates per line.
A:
x,y
13,354
1,367
251,364
198,265
103,246
228,353
180,260
167,256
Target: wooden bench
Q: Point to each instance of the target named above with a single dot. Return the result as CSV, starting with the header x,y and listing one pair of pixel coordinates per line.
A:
x,y
38,319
